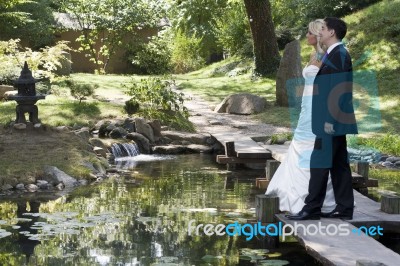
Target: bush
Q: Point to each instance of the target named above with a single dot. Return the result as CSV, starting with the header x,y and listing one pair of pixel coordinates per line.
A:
x,y
153,57
42,63
131,106
186,54
155,94
80,90
233,31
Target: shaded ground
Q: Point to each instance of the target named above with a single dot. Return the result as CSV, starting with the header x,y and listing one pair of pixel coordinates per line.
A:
x,y
23,154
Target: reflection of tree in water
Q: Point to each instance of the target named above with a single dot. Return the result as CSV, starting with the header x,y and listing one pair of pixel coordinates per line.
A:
x,y
27,245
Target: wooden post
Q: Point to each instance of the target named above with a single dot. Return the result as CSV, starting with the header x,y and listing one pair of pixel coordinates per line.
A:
x,y
230,149
270,169
266,208
362,168
390,204
230,152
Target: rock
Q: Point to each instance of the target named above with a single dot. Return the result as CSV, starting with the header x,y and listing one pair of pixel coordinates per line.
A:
x,y
57,176
60,186
118,132
192,138
129,125
156,126
31,187
4,89
145,129
83,182
200,148
393,159
142,142
20,186
287,142
387,164
7,94
96,142
185,142
397,164
6,187
242,104
83,133
62,129
170,149
289,74
102,127
20,126
100,151
215,122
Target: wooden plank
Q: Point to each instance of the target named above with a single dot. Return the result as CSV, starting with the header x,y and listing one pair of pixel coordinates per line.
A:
x,y
338,249
371,182
230,149
390,204
278,152
245,147
222,159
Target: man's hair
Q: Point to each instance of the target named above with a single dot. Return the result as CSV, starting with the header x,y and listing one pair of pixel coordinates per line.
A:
x,y
338,25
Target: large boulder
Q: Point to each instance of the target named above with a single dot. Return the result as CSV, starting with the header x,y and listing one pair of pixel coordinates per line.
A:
x,y
4,89
56,176
184,136
242,104
289,76
145,129
142,142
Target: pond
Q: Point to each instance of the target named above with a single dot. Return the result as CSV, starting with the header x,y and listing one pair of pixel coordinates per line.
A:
x,y
141,218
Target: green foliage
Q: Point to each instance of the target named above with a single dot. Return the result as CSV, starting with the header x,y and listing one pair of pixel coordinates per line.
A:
x,y
154,94
157,100
106,24
131,106
388,143
291,17
198,18
186,54
153,57
43,63
30,21
80,90
233,31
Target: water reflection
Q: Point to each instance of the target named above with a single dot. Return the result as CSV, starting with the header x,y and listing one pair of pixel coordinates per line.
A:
x,y
120,222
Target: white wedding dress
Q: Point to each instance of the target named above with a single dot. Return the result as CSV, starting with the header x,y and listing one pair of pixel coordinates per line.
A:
x,y
291,179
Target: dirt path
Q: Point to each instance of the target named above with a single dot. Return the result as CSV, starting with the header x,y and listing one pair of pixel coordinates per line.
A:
x,y
208,121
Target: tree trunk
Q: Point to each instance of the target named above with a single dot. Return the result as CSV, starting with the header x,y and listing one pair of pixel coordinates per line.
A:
x,y
266,53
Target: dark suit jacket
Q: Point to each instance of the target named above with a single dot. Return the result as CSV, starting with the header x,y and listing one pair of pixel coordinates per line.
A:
x,y
333,94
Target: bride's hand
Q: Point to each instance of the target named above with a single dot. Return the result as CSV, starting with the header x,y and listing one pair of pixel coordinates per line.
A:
x,y
316,63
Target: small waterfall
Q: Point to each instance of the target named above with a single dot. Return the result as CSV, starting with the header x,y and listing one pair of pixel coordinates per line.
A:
x,y
125,150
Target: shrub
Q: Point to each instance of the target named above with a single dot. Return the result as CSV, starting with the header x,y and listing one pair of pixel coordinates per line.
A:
x,y
153,57
131,106
233,31
42,63
186,54
80,90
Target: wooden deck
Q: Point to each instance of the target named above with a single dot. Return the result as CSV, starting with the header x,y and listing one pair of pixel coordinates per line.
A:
x,y
346,250
246,150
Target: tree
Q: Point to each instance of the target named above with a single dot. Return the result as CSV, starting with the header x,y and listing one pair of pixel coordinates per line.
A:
x,y
30,21
266,53
105,24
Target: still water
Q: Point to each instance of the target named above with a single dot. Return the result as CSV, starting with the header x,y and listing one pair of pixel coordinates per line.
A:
x,y
141,218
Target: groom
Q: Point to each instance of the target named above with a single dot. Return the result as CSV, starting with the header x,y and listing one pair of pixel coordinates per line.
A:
x,y
332,118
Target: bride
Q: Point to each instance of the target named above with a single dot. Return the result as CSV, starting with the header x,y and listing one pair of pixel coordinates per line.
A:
x,y
291,179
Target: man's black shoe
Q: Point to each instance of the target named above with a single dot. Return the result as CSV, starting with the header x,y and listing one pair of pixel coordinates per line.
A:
x,y
337,214
303,215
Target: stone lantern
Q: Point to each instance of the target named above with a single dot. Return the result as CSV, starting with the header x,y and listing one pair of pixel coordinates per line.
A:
x,y
26,97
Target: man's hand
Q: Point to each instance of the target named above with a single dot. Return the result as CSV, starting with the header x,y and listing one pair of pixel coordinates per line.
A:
x,y
328,128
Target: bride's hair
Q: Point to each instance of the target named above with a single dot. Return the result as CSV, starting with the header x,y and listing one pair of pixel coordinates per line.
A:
x,y
315,28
